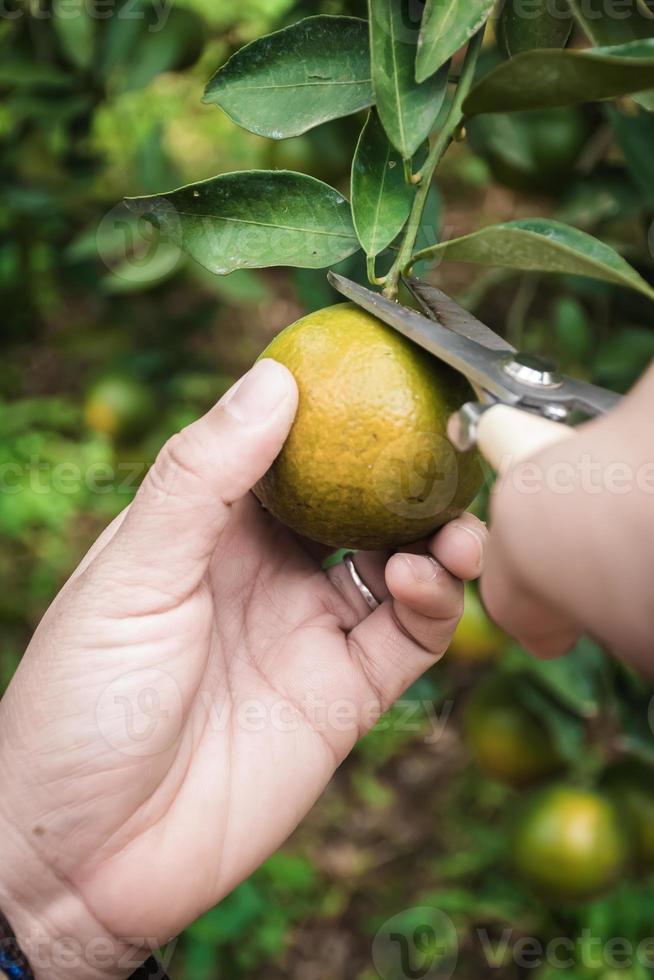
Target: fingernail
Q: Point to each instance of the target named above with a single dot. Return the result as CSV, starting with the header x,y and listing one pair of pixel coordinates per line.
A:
x,y
423,568
257,395
474,531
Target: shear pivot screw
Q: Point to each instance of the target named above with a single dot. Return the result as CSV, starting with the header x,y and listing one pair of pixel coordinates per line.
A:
x,y
529,369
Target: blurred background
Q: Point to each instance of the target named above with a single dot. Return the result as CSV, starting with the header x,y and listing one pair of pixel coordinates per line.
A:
x,y
113,340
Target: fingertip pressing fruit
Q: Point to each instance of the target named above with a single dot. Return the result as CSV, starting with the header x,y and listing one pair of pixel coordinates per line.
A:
x,y
367,463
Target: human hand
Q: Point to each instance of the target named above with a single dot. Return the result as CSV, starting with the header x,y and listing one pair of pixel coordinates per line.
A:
x,y
191,691
571,548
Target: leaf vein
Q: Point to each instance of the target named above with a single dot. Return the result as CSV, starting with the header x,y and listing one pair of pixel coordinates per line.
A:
x,y
269,87
268,224
396,79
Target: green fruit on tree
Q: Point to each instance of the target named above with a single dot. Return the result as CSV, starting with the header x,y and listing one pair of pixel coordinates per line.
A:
x,y
506,739
367,463
476,639
569,843
630,784
120,407
530,151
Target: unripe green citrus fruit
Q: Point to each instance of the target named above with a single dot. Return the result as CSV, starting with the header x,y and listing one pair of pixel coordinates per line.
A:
x,y
120,407
530,151
367,463
507,740
569,843
476,639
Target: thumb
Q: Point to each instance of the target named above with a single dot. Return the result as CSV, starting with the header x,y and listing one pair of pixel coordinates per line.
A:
x,y
172,527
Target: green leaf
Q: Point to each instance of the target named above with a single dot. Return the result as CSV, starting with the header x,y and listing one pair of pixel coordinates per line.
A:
x,y
546,25
288,82
576,680
573,332
635,137
548,78
633,701
446,26
254,219
540,244
407,109
142,43
381,197
622,358
609,22
75,29
430,227
565,728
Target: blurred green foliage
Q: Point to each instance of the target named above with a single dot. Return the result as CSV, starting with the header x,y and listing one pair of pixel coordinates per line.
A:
x,y
93,109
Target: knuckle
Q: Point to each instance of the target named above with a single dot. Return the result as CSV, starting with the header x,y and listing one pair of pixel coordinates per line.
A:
x,y
174,461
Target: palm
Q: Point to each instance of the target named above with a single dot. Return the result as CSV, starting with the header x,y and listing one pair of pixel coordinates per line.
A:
x,y
192,688
229,703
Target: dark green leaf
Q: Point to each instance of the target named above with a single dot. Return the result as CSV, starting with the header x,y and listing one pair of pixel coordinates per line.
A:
x,y
548,78
407,109
171,47
572,329
540,244
634,705
381,197
622,358
446,26
22,73
598,197
576,680
635,137
609,22
288,82
534,150
141,42
234,918
255,219
75,29
430,226
544,25
565,728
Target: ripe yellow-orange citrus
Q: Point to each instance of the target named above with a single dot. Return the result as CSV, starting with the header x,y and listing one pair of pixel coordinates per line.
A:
x,y
367,463
569,843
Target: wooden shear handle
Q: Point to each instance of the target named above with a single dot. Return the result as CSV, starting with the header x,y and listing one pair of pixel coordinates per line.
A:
x,y
506,436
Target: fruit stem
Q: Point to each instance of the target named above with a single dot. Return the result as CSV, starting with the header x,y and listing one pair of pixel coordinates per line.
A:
x,y
405,259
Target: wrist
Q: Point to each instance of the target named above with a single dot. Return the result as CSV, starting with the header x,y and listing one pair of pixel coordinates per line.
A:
x,y
57,933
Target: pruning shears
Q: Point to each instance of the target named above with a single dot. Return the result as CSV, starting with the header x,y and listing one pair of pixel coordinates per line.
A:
x,y
523,403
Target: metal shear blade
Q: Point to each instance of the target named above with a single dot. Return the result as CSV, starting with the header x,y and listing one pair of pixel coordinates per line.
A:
x,y
492,365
